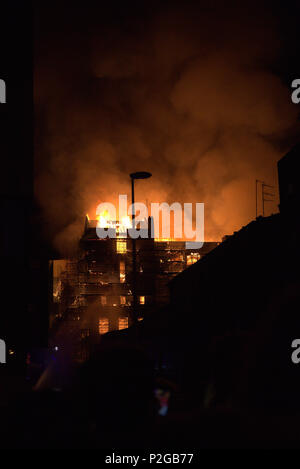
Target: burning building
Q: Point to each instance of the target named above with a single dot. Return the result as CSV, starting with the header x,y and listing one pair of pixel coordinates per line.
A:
x,y
95,290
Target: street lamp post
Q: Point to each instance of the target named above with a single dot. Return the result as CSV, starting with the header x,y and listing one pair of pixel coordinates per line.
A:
x,y
133,176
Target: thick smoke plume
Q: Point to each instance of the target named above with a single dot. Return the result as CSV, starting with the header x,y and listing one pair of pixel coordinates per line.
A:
x,y
186,92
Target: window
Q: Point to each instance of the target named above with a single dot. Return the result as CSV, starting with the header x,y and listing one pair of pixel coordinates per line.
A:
x,y
122,272
84,333
142,300
103,300
121,246
122,277
122,300
192,258
103,325
123,323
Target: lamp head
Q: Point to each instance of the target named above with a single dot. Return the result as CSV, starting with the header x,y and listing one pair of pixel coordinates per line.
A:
x,y
140,175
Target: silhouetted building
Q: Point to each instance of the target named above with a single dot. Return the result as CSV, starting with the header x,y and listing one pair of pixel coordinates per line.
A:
x,y
289,190
289,180
24,264
237,309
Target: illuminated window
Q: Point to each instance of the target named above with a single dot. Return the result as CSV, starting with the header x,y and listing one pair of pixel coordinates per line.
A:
x,y
103,300
85,333
122,277
123,323
122,272
140,319
192,258
121,246
103,325
122,300
142,300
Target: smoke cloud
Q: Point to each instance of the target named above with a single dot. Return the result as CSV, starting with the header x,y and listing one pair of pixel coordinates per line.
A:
x,y
185,91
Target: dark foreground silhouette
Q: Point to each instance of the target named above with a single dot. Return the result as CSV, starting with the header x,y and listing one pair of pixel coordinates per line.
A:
x,y
109,402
